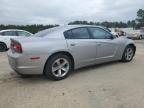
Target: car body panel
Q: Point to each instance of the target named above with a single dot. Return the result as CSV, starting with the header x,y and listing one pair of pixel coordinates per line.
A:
x,y
6,40
80,50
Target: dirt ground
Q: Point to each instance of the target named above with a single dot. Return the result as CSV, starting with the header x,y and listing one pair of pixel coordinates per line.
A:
x,y
111,85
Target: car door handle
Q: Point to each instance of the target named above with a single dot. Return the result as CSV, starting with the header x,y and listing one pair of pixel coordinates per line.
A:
x,y
72,44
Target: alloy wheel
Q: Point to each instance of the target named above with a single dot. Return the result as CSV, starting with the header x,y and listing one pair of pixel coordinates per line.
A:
x,y
60,67
2,47
129,54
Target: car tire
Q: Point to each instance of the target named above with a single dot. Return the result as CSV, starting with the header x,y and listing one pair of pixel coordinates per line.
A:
x,y
140,37
3,47
58,67
128,54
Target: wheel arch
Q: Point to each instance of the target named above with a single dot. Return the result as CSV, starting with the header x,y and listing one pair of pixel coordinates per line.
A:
x,y
4,44
60,52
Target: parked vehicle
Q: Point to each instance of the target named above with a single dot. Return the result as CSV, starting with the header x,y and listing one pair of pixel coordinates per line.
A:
x,y
5,36
56,52
142,31
120,32
135,34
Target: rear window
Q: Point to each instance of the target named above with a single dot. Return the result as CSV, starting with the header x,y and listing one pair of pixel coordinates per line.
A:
x,y
44,33
9,33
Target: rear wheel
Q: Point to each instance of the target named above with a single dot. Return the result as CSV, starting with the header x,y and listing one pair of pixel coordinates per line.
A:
x,y
128,54
140,37
3,47
58,67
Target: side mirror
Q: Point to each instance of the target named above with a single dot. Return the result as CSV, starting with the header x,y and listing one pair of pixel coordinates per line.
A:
x,y
113,36
110,37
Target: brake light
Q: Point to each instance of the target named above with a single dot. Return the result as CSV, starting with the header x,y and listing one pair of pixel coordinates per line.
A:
x,y
16,46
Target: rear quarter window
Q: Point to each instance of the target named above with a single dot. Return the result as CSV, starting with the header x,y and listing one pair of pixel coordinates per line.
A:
x,y
68,34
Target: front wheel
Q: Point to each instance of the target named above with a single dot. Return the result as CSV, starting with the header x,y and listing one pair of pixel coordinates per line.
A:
x,y
58,67
128,54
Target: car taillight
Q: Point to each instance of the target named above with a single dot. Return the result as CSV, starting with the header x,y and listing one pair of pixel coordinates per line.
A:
x,y
16,46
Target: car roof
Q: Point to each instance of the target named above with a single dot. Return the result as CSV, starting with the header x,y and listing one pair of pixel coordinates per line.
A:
x,y
68,27
11,30
56,31
76,26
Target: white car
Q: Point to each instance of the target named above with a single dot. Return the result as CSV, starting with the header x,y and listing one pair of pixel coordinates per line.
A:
x,y
135,34
6,35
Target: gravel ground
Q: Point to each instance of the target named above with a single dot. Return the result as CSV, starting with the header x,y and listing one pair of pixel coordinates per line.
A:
x,y
5,70
111,85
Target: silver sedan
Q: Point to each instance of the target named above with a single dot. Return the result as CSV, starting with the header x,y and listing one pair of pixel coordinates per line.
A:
x,y
56,52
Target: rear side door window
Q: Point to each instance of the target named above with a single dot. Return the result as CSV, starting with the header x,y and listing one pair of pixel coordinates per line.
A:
x,y
77,33
9,33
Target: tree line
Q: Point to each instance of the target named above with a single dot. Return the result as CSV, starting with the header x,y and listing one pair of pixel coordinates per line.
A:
x,y
107,24
137,23
31,28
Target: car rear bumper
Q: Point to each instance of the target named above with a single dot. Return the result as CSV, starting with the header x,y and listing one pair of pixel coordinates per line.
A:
x,y
22,65
132,37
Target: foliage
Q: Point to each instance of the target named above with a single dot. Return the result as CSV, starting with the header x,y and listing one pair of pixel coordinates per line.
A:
x,y
31,28
105,23
132,23
140,18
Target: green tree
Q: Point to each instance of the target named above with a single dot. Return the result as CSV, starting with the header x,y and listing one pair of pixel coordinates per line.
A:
x,y
140,18
133,24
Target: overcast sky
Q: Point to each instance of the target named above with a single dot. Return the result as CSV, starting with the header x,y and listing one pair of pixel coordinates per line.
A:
x,y
64,11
